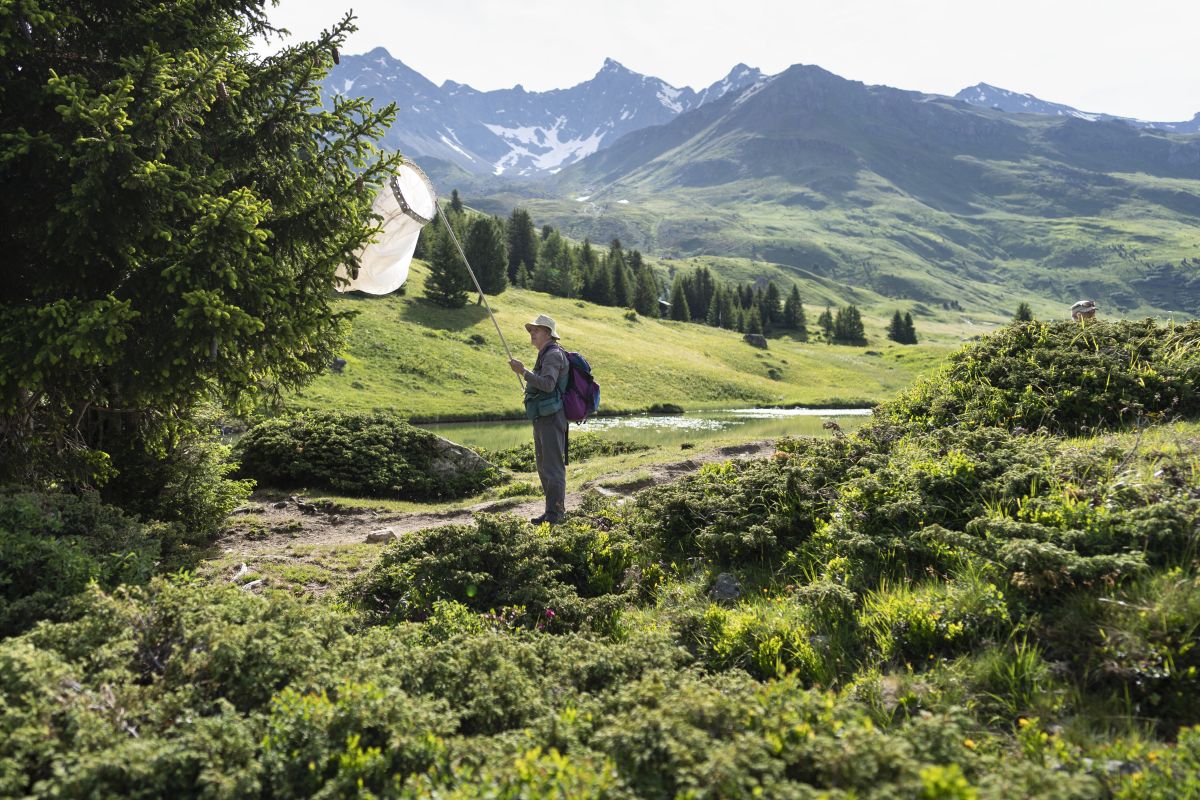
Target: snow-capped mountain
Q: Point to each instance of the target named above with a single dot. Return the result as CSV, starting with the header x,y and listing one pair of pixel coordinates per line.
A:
x,y
513,132
987,96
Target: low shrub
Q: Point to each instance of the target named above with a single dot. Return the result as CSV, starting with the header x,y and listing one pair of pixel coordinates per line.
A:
x,y
573,576
376,455
768,638
915,624
53,544
1063,376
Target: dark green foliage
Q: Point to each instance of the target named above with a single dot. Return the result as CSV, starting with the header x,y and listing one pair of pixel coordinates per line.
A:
x,y
522,244
645,291
848,326
575,577
185,205
679,304
910,331
825,323
1024,313
360,454
456,204
901,329
449,284
793,315
487,254
1063,377
53,544
187,485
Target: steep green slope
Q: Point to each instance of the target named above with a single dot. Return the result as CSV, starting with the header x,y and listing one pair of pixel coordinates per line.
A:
x,y
409,356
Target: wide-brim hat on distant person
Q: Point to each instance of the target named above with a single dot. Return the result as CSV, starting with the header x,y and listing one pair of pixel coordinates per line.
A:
x,y
543,321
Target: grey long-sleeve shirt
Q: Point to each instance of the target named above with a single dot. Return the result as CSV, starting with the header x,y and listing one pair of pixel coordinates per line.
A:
x,y
551,363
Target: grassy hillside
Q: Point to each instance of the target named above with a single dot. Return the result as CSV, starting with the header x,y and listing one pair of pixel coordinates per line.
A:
x,y
419,360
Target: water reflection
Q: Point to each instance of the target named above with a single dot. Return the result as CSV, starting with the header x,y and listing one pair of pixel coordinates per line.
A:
x,y
693,428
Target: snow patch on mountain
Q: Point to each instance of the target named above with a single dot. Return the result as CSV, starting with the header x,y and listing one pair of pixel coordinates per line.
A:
x,y
542,148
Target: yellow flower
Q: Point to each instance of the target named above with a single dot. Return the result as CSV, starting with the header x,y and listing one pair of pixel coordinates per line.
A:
x,y
969,744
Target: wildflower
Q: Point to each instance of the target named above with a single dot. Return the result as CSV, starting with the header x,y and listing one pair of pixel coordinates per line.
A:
x,y
969,744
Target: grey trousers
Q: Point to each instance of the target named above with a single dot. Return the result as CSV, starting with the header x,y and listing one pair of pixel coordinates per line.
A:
x,y
549,447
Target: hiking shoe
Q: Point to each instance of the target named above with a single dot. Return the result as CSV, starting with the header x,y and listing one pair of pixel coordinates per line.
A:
x,y
538,520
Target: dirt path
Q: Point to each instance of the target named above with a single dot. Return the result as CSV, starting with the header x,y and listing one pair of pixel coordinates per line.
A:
x,y
270,526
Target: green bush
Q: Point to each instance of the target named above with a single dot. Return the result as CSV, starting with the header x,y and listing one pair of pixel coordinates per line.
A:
x,y
1065,377
918,623
375,455
351,739
53,544
575,575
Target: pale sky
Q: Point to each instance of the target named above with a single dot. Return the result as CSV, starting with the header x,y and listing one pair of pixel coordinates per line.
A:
x,y
1134,59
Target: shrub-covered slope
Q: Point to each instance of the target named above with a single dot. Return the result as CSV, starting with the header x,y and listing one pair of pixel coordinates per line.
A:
x,y
950,608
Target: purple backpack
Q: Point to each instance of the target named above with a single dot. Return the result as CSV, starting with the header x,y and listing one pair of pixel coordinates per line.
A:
x,y
581,398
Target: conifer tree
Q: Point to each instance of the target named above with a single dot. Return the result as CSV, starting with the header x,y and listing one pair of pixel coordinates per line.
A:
x,y
488,254
895,330
1024,313
848,326
622,281
645,292
754,323
175,210
910,332
523,280
448,284
793,315
772,314
729,310
456,205
825,322
522,243
679,304
712,317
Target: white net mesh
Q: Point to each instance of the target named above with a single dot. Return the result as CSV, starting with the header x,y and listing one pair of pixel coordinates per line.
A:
x,y
405,206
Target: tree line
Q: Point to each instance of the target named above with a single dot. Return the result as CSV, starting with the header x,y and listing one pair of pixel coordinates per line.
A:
x,y
514,252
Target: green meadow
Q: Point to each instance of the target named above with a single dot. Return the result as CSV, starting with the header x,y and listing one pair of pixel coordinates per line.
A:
x,y
408,356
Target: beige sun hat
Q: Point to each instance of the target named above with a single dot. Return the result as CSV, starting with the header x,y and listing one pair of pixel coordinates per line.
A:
x,y
544,322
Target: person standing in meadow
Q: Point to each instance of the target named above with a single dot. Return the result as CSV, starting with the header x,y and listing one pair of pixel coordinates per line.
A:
x,y
544,387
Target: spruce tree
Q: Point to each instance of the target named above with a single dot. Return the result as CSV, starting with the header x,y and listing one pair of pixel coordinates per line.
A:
x,y
712,317
825,322
793,315
456,205
1024,313
729,310
448,284
522,243
488,254
679,304
848,326
772,314
175,210
754,322
622,281
523,280
895,330
910,332
645,292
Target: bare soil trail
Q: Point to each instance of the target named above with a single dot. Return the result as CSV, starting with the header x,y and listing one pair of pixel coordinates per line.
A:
x,y
267,526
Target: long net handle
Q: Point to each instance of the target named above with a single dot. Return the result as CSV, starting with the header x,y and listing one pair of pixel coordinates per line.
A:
x,y
471,272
